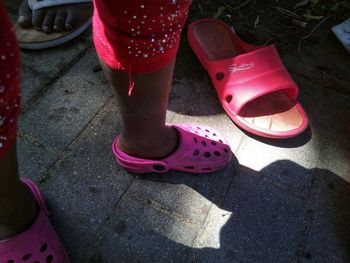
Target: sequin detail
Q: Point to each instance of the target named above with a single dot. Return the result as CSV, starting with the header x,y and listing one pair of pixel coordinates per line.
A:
x,y
144,33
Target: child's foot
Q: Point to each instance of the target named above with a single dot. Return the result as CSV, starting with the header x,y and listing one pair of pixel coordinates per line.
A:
x,y
38,242
18,212
200,149
155,146
53,19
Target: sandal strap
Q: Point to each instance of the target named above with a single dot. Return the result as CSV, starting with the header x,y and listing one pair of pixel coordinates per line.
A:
x,y
37,4
37,195
243,78
137,165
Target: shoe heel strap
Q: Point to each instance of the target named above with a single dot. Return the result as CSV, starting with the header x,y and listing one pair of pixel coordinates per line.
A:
x,y
37,194
138,165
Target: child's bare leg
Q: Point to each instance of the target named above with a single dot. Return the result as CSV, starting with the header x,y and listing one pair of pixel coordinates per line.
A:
x,y
144,132
17,206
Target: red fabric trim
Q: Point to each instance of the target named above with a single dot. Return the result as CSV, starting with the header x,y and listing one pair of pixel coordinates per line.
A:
x,y
136,37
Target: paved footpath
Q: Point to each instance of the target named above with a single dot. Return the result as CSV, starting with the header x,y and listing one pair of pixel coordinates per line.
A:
x,y
279,201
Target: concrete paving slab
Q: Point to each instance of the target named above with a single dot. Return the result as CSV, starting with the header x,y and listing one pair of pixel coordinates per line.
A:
x,y
59,116
329,237
248,226
207,246
52,61
211,186
138,233
179,201
34,159
262,158
84,189
328,111
329,114
335,156
31,84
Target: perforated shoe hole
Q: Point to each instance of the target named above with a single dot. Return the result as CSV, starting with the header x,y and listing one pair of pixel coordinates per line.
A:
x,y
219,76
226,150
206,154
195,140
26,257
221,141
206,136
214,134
158,167
11,261
49,259
196,152
228,98
43,247
204,143
207,130
213,143
216,153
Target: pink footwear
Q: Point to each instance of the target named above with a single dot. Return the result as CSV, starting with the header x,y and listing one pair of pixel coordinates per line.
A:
x,y
39,243
201,150
252,83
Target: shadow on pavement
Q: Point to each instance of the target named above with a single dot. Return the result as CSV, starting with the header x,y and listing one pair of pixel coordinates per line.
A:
x,y
255,218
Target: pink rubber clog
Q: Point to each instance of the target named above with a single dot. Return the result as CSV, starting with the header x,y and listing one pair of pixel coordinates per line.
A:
x,y
201,150
39,243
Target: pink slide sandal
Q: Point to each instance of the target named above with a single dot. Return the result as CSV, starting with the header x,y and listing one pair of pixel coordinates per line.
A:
x,y
252,83
201,150
39,243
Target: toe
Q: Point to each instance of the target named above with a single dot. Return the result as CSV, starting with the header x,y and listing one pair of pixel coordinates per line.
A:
x,y
38,18
72,18
48,21
59,21
24,15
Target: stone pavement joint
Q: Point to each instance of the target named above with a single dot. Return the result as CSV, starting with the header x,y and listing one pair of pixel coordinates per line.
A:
x,y
80,137
44,88
166,211
309,216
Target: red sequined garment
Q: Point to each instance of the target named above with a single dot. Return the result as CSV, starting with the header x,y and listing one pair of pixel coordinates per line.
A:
x,y
9,83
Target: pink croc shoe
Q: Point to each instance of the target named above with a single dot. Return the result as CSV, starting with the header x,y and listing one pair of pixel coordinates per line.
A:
x,y
39,243
201,150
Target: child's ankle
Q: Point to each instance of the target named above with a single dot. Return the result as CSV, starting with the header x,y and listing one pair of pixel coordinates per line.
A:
x,y
156,145
18,211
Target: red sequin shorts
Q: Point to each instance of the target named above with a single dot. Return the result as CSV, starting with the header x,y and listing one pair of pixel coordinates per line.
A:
x,y
138,36
9,83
